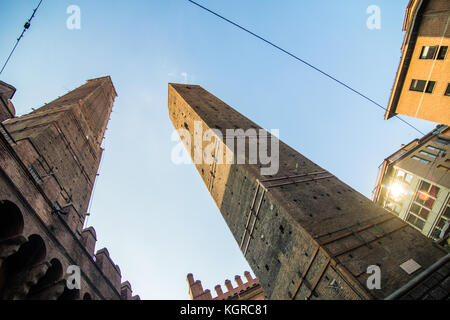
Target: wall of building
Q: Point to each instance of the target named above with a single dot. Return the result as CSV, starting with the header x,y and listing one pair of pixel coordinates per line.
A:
x,y
436,172
433,29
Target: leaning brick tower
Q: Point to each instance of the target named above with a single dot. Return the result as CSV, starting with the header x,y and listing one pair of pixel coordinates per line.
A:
x,y
49,162
305,233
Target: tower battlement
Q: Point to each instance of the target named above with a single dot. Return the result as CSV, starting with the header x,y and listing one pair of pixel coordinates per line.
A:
x,y
250,290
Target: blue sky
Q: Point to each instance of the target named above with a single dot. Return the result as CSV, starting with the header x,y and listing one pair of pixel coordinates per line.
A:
x,y
156,218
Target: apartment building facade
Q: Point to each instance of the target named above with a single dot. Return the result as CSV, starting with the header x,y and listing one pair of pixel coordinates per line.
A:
x,y
422,84
414,183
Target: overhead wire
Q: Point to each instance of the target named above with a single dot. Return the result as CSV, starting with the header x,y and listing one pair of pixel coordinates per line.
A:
x,y
26,26
304,62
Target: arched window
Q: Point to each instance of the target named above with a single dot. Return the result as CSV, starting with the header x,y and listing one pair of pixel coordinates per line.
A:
x,y
16,266
70,294
11,220
53,275
87,296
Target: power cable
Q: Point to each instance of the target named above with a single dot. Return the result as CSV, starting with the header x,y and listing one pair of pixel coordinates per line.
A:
x,y
304,62
25,28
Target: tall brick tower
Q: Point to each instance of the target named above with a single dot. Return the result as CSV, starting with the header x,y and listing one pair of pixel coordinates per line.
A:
x,y
305,233
48,164
68,133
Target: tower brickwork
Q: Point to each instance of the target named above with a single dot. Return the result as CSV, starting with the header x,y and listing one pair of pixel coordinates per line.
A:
x,y
67,135
305,233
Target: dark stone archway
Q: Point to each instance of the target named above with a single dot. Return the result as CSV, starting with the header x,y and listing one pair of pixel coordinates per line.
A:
x,y
11,220
23,269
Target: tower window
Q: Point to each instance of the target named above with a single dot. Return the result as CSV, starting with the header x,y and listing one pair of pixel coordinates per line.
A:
x,y
428,52
442,53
